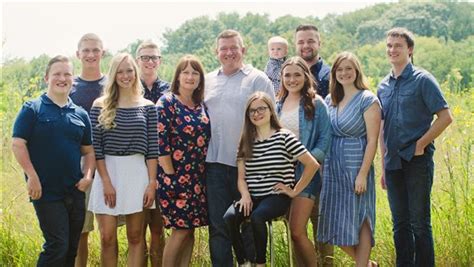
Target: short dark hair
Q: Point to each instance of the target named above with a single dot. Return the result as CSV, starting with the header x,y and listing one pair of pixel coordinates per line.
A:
x,y
404,33
58,58
306,27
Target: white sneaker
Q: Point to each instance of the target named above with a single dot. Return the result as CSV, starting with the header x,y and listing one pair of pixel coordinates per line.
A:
x,y
246,264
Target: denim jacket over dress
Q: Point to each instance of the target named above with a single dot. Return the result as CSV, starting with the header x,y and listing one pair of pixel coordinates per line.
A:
x,y
314,134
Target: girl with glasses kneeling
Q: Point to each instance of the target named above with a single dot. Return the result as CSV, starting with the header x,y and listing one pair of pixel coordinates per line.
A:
x,y
266,181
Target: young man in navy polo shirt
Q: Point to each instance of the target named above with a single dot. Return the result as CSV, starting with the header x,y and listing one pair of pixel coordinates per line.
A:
x,y
410,97
50,135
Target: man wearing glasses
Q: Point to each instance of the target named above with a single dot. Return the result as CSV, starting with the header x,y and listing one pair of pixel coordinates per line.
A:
x,y
149,60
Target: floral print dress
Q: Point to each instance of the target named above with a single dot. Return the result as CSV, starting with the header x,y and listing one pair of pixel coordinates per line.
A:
x,y
183,133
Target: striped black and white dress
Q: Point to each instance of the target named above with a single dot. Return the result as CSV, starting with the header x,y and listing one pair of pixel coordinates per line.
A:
x,y
342,212
125,150
272,162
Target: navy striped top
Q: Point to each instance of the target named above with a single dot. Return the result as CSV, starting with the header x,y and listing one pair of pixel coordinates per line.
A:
x,y
272,162
136,133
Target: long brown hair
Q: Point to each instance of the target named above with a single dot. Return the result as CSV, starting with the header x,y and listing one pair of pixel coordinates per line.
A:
x,y
249,131
198,93
308,92
335,88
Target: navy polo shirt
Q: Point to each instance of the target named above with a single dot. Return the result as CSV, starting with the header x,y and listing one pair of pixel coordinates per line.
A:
x,y
408,104
157,90
54,138
321,73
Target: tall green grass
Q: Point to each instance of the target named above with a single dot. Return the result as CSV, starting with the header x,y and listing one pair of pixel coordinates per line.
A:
x,y
452,201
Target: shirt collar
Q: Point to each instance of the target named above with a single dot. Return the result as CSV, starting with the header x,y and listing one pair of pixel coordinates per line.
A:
x,y
278,60
47,101
405,73
245,69
317,66
156,83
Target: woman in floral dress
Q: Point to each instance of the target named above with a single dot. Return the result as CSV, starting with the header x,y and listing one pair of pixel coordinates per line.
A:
x,y
183,135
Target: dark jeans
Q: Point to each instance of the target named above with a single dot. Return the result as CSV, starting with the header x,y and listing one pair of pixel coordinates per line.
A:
x,y
61,222
264,209
409,191
221,192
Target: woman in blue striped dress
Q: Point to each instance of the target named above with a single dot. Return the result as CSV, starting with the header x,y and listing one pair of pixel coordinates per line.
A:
x,y
347,209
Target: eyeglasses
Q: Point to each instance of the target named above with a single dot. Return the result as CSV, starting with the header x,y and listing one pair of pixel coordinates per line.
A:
x,y
147,58
259,110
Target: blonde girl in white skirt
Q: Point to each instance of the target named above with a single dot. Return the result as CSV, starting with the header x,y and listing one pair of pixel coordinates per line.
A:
x,y
126,149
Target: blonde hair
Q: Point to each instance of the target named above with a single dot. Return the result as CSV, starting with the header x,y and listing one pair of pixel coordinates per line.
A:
x,y
89,37
335,88
111,90
147,44
249,131
277,40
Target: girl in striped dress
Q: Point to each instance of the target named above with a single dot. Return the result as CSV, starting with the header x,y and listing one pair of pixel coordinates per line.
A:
x,y
126,149
265,163
347,209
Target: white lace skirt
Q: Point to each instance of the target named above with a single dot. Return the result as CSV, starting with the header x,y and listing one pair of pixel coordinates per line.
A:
x,y
129,176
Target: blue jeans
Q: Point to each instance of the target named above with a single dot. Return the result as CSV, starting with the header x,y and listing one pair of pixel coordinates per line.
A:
x,y
409,196
264,209
61,222
221,192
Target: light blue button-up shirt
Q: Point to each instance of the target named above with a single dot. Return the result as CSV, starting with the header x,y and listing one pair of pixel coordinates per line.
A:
x,y
408,104
225,98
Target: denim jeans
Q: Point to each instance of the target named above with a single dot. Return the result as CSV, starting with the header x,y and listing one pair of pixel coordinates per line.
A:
x,y
264,209
409,196
221,192
61,222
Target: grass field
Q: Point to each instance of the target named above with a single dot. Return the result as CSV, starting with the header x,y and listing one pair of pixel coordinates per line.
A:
x,y
452,202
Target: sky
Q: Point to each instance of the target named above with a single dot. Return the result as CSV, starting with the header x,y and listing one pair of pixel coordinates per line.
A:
x,y
31,28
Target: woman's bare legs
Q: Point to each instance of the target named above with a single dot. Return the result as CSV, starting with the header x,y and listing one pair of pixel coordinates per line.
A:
x,y
175,245
108,239
299,215
134,223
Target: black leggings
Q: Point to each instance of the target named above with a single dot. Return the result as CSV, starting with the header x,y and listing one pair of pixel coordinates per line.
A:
x,y
264,209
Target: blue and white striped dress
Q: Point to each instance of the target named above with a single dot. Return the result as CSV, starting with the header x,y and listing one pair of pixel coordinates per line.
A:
x,y
342,212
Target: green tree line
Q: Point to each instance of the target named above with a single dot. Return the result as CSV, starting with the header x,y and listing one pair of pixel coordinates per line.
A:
x,y
444,43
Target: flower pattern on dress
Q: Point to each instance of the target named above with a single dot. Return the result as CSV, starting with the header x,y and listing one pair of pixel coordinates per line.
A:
x,y
183,134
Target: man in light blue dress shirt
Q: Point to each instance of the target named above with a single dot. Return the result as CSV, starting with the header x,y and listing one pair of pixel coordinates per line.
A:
x,y
226,93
